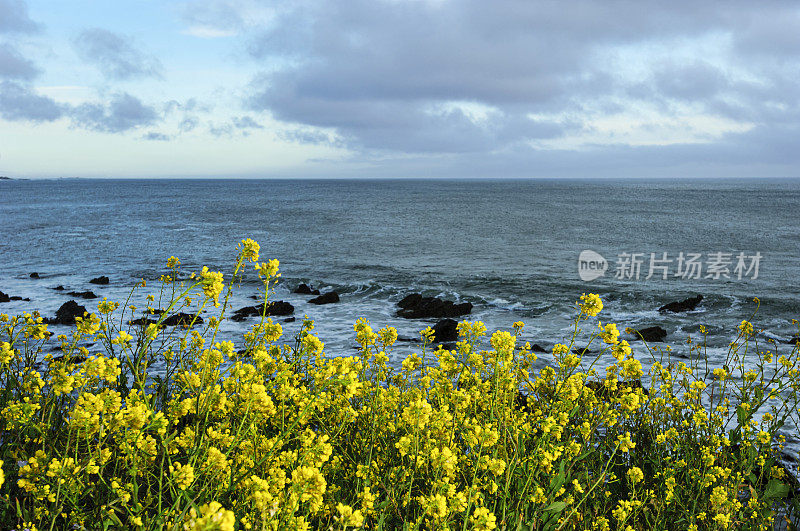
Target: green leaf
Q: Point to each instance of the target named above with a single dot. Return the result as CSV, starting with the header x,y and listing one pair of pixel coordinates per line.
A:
x,y
776,489
741,415
558,480
555,507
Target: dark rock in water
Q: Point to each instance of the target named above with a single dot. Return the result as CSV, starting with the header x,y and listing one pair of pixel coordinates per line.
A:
x,y
18,298
243,313
445,330
82,294
403,339
182,319
278,308
74,359
273,308
650,334
685,305
415,306
103,280
34,275
305,289
59,288
325,298
290,320
142,321
536,347
4,297
67,313
410,301
582,351
792,341
448,346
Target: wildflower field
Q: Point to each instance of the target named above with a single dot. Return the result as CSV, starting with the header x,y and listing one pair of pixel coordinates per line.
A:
x,y
174,428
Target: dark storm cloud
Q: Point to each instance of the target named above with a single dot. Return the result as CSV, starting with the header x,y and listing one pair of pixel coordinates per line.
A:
x,y
19,102
115,56
401,76
14,17
123,113
15,66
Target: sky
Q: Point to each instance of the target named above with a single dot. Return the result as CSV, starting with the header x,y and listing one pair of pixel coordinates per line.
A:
x,y
399,88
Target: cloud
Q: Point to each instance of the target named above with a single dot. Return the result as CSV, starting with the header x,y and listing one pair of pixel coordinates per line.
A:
x,y
14,66
123,113
153,135
215,18
405,77
245,122
188,124
219,130
209,19
310,136
19,102
115,56
238,124
205,32
14,17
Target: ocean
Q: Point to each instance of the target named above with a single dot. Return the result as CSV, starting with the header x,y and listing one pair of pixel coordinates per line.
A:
x,y
510,247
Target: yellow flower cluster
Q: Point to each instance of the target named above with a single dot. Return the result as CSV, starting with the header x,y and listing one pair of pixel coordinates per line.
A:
x,y
180,430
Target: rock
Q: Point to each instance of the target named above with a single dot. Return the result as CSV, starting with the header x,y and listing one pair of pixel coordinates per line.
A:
x,y
536,347
410,301
448,346
445,330
325,298
273,308
4,297
73,359
582,351
82,294
141,321
59,288
290,320
34,275
305,289
182,319
103,280
18,298
682,306
650,334
67,313
792,341
415,306
278,308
